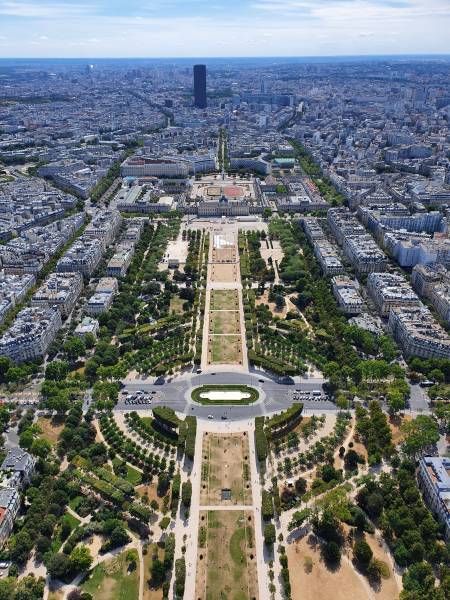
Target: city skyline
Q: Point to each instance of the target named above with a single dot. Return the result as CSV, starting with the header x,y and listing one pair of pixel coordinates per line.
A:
x,y
249,28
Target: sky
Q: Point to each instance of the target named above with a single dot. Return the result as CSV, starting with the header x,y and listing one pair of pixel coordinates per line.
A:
x,y
207,28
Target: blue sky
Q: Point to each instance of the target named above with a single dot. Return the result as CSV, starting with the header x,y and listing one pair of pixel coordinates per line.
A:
x,y
163,28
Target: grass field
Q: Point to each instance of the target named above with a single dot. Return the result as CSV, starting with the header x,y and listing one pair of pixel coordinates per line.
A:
x,y
227,566
225,465
132,475
50,429
225,349
224,321
196,394
176,305
115,578
224,300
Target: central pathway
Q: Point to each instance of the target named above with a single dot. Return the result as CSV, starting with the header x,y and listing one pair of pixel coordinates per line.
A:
x,y
196,507
223,274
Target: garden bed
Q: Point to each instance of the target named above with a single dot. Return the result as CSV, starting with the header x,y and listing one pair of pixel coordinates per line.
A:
x,y
224,394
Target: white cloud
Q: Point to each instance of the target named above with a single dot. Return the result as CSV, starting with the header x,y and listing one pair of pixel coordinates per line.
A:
x,y
277,28
44,10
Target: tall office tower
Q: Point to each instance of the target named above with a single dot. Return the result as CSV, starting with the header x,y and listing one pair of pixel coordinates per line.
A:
x,y
200,86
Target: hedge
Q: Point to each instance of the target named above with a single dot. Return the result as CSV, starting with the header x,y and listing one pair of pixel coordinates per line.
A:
x,y
180,577
166,417
122,484
186,493
191,432
261,445
267,505
176,485
285,421
140,511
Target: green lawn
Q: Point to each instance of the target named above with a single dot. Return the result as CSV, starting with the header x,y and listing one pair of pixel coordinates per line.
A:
x,y
132,476
117,578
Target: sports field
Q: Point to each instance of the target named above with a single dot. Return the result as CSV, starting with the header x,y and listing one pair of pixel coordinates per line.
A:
x,y
225,466
226,565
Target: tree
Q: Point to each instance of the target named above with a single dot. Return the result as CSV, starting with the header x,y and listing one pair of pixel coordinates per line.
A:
x,y
301,486
351,460
436,375
362,553
118,537
419,434
332,553
396,402
59,565
158,572
442,413
73,348
269,534
5,365
41,448
57,370
80,559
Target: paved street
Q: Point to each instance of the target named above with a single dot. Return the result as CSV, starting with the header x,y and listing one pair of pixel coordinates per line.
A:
x,y
274,396
419,400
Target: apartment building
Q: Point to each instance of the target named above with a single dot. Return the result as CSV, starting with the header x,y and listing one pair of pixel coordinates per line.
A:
x,y
15,473
347,295
425,277
104,226
434,481
9,508
312,229
327,257
364,254
440,298
120,261
83,257
30,335
103,297
344,224
390,290
418,333
61,290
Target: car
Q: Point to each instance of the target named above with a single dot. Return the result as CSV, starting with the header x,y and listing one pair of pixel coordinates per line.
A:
x,y
199,370
210,417
261,380
224,418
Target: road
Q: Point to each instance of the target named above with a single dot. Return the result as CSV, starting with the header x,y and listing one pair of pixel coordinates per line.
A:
x,y
419,400
275,396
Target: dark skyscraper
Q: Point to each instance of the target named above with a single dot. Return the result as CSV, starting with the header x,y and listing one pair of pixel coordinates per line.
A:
x,y
200,86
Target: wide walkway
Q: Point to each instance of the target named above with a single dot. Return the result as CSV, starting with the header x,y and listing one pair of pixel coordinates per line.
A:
x,y
222,350
196,507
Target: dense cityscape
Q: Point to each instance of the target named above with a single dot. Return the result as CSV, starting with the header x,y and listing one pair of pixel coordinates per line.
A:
x,y
225,329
